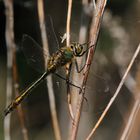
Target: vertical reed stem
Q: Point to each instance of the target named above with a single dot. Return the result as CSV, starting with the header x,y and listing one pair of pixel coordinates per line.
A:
x,y
49,78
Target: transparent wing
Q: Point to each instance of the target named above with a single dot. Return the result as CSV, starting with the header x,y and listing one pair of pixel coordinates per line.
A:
x,y
34,54
52,38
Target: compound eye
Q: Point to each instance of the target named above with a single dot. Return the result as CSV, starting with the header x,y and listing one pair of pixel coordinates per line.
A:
x,y
71,46
81,46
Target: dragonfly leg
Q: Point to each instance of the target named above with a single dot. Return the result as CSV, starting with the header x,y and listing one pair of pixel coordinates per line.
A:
x,y
68,81
77,67
86,50
76,64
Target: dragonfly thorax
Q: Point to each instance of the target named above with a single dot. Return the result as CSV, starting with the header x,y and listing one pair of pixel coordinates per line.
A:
x,y
77,49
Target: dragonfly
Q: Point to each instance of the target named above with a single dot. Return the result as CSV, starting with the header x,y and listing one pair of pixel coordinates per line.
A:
x,y
63,56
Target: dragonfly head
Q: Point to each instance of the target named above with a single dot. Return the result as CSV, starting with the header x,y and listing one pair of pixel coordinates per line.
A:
x,y
77,48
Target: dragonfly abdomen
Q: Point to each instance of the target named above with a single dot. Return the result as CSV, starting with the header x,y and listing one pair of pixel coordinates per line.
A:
x,y
24,93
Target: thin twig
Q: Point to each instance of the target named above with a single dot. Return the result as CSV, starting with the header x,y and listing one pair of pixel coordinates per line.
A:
x,y
11,68
83,27
68,22
9,42
68,66
16,91
124,46
113,25
82,39
116,93
130,123
49,79
83,35
93,37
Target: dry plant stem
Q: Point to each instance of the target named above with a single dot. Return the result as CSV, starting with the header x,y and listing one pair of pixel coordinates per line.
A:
x,y
96,21
116,93
113,25
130,119
75,76
16,91
67,66
83,28
9,42
130,124
68,22
11,69
82,39
49,79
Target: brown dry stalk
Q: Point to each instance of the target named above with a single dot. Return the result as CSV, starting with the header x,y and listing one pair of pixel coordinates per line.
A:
x,y
68,22
132,126
9,43
127,132
49,78
95,26
67,66
116,93
12,70
16,90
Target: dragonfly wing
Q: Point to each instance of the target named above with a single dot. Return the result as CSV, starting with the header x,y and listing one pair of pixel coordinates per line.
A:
x,y
34,54
52,38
